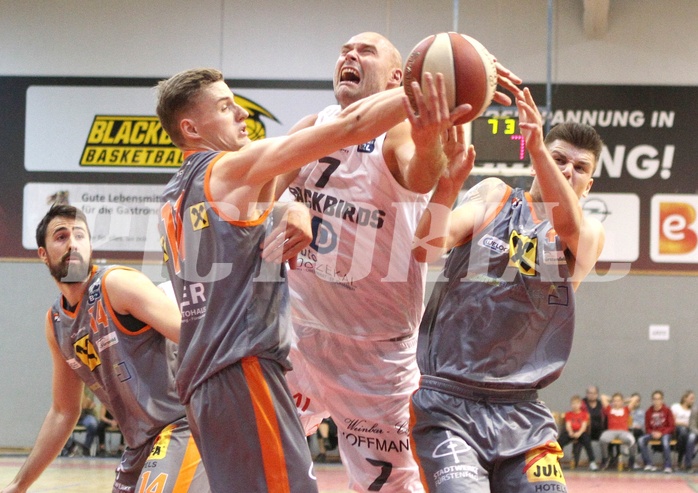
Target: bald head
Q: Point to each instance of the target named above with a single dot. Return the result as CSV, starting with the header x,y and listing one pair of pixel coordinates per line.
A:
x,y
368,63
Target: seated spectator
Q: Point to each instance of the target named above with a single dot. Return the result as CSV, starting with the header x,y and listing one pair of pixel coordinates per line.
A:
x,y
106,421
693,428
618,419
594,404
88,419
638,415
685,439
327,438
576,428
659,425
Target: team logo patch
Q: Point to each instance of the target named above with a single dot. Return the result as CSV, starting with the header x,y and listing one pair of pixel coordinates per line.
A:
x,y
163,245
542,465
85,352
198,216
453,447
367,147
94,292
107,341
162,443
493,243
522,253
552,254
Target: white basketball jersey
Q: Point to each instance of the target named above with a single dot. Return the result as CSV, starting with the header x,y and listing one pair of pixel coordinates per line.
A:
x,y
358,278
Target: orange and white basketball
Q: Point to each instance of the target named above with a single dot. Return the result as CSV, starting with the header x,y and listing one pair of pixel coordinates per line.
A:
x,y
469,70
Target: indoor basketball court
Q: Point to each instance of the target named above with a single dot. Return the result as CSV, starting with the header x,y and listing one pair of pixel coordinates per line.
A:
x,y
78,86
81,475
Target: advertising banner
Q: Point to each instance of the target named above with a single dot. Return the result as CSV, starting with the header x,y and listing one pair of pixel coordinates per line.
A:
x,y
97,143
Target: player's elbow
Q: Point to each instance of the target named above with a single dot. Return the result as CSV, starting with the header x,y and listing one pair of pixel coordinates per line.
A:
x,y
427,254
419,254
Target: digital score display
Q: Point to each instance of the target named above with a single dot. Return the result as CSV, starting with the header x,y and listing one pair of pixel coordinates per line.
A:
x,y
498,140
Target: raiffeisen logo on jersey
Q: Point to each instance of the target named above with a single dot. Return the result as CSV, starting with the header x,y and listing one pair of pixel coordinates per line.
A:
x,y
140,141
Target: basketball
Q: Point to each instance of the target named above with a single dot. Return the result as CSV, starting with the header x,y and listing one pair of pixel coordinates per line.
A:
x,y
469,71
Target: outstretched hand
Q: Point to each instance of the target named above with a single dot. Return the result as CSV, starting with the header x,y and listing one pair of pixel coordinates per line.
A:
x,y
432,106
530,120
289,237
432,114
509,81
460,161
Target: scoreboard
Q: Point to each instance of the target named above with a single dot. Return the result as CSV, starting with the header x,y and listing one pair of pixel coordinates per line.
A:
x,y
498,140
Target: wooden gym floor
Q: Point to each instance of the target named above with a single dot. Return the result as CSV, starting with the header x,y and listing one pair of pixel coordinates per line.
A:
x,y
94,475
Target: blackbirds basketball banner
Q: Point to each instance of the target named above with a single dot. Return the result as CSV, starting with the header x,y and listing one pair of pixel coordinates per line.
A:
x,y
96,143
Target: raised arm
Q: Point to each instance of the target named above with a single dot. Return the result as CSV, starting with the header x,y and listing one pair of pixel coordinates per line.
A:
x,y
583,236
59,422
260,161
285,180
132,293
441,228
433,235
413,150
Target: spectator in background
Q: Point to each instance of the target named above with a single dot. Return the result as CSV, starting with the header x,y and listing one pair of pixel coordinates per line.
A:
x,y
594,404
618,419
577,428
659,425
685,439
107,421
693,428
327,438
637,426
638,415
88,419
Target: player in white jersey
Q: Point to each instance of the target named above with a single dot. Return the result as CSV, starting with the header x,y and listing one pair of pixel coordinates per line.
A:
x,y
357,293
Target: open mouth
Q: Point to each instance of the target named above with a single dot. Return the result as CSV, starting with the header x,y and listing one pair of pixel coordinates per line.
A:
x,y
73,257
349,74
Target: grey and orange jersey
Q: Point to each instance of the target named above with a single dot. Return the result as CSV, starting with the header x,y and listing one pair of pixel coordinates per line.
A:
x,y
233,303
502,312
123,361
